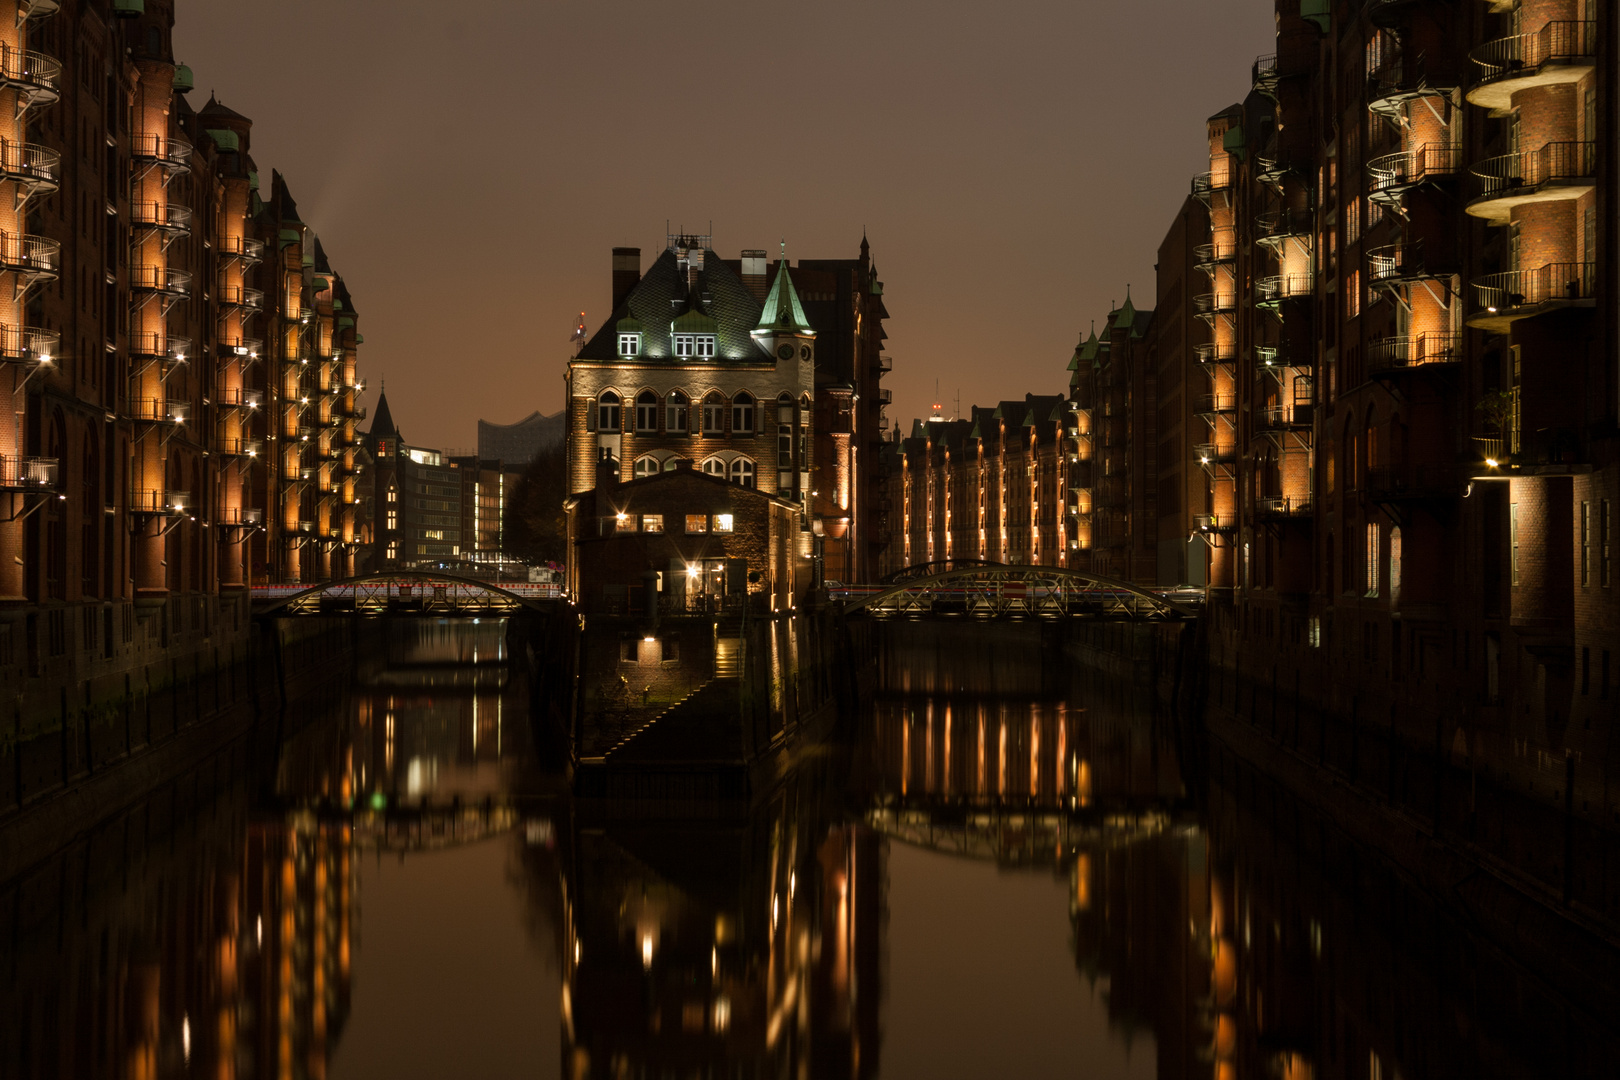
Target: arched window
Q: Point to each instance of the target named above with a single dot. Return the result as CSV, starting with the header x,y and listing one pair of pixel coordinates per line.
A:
x,y
714,467
742,472
646,412
742,413
607,412
784,408
646,465
677,408
1395,563
714,413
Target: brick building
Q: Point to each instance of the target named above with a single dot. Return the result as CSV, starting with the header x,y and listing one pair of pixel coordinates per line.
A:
x,y
177,356
764,375
696,541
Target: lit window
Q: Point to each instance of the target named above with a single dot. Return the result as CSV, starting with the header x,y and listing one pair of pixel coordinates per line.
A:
x,y
685,344
715,467
626,523
393,495
393,520
1395,563
696,523
675,412
629,344
646,412
607,412
705,345
742,472
1513,540
653,523
714,414
722,523
742,413
1372,559
646,466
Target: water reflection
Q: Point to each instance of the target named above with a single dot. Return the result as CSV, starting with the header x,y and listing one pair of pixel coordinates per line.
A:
x,y
995,869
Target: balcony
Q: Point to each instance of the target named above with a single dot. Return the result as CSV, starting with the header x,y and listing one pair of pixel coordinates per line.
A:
x,y
170,348
30,165
1208,305
1220,251
1263,75
239,515
883,364
35,257
1394,80
1282,507
885,396
1212,354
1214,453
158,150
1520,294
244,347
1213,523
1205,185
156,410
28,345
1277,226
1271,292
1281,356
37,9
1390,177
33,75
241,448
1403,353
1284,417
1560,52
168,218
160,280
239,397
237,296
1396,264
166,503
19,473
1210,406
1558,171
241,248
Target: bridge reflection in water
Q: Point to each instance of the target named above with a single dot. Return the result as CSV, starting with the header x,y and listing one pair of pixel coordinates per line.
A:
x,y
1204,929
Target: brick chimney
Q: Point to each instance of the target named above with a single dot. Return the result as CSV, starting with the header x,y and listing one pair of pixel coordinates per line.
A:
x,y
626,273
754,275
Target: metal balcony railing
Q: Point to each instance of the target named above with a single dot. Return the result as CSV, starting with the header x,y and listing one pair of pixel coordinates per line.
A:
x,y
160,150
157,410
1214,303
1391,175
883,363
1209,404
240,247
1526,56
1212,523
1207,453
28,344
32,74
171,503
1524,176
1528,288
1401,262
1282,506
166,217
23,473
1284,224
239,515
171,346
245,347
1211,353
239,397
1280,287
30,163
1204,185
1222,248
241,447
885,396
37,9
239,296
36,256
1282,417
160,279
1401,352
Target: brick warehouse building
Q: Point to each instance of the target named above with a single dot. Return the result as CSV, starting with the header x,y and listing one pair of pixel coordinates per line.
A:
x,y
766,375
179,356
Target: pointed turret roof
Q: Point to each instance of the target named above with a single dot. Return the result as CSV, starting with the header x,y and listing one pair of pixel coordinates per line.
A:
x,y
215,111
382,421
782,312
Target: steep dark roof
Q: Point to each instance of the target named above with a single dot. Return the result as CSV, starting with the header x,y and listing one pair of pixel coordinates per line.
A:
x,y
215,111
653,303
382,421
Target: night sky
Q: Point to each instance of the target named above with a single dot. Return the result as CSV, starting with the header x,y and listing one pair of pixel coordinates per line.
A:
x,y
469,165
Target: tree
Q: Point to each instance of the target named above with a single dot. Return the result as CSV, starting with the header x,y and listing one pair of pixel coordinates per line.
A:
x,y
539,526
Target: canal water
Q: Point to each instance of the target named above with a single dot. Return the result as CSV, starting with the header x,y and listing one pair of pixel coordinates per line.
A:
x,y
987,870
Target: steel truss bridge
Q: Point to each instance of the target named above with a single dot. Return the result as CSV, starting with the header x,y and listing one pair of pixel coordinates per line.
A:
x,y
406,592
1010,835
991,591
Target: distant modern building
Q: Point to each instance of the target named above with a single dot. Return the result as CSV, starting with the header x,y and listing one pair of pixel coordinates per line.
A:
x,y
486,485
520,443
418,495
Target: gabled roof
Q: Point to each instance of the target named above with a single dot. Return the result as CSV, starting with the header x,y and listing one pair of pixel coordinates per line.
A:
x,y
782,312
662,295
215,111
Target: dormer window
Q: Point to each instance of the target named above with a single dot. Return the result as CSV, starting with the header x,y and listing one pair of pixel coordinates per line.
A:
x,y
629,344
685,345
705,346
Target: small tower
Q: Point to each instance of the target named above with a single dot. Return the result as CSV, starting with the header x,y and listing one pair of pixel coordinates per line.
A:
x,y
783,332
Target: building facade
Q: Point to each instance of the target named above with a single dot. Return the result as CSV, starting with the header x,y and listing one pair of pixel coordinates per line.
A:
x,y
766,376
172,436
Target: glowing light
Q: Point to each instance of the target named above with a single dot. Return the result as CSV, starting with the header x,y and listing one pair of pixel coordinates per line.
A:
x,y
621,515
185,1036
648,638
646,950
1491,462
692,572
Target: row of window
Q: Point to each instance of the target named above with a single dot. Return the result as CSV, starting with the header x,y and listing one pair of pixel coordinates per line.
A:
x,y
686,345
608,415
695,524
741,470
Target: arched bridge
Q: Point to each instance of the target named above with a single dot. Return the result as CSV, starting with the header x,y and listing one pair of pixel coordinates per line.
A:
x,y
1031,836
992,591
405,592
